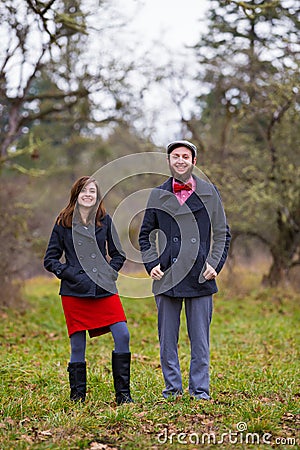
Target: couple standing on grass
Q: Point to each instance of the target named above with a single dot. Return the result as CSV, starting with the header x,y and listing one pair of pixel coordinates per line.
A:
x,y
183,265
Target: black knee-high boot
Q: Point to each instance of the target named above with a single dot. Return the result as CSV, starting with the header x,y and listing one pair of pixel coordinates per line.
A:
x,y
121,374
77,378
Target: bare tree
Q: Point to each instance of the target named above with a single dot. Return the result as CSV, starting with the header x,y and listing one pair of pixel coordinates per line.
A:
x,y
54,40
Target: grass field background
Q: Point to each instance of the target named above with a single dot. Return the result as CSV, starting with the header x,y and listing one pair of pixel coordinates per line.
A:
x,y
254,376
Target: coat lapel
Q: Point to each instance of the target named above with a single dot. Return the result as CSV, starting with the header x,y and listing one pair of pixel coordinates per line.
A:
x,y
203,192
168,200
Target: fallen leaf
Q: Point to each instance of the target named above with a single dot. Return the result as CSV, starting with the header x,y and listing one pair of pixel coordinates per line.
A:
x,y
100,446
45,433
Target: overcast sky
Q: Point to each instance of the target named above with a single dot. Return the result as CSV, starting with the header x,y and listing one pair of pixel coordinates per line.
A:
x,y
176,22
156,26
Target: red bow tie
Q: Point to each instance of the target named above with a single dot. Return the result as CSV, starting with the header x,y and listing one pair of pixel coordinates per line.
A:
x,y
182,186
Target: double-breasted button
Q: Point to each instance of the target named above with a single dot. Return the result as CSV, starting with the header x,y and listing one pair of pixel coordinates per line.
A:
x,y
94,269
93,255
175,239
193,240
79,242
81,271
174,260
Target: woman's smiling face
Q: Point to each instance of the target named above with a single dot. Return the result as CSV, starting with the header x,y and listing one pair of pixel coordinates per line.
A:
x,y
88,195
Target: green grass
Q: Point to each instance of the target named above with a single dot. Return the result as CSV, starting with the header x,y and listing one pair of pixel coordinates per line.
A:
x,y
254,377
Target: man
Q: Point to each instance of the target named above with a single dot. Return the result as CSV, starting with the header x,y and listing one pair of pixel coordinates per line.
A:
x,y
184,240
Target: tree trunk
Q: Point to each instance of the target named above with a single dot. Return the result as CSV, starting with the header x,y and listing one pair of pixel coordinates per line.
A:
x,y
277,273
285,250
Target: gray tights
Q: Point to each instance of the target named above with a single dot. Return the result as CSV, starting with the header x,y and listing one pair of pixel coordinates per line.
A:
x,y
120,334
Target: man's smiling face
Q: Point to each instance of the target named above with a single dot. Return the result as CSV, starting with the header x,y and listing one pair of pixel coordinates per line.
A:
x,y
181,163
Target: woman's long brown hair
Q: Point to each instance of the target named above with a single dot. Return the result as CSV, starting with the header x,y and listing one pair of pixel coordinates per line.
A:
x,y
65,217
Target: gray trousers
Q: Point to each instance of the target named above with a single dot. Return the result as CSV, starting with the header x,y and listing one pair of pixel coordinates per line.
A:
x,y
198,312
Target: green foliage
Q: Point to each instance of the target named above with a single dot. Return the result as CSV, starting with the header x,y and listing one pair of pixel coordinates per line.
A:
x,y
250,66
13,237
254,368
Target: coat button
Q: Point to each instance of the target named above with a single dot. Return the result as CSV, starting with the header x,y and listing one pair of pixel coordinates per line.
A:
x,y
175,239
93,255
193,240
174,260
94,269
81,271
58,272
79,242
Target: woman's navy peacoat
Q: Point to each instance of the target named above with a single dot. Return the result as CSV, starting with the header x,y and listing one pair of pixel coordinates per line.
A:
x,y
86,271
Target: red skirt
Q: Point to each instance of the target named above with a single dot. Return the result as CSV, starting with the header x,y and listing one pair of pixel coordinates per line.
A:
x,y
92,314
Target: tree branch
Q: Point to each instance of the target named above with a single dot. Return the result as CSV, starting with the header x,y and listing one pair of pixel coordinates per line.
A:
x,y
253,234
41,15
295,263
276,118
247,6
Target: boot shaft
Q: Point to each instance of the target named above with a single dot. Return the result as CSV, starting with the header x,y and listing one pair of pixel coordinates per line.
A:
x,y
77,379
121,375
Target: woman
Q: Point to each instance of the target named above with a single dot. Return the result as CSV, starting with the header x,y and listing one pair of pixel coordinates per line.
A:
x,y
84,233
